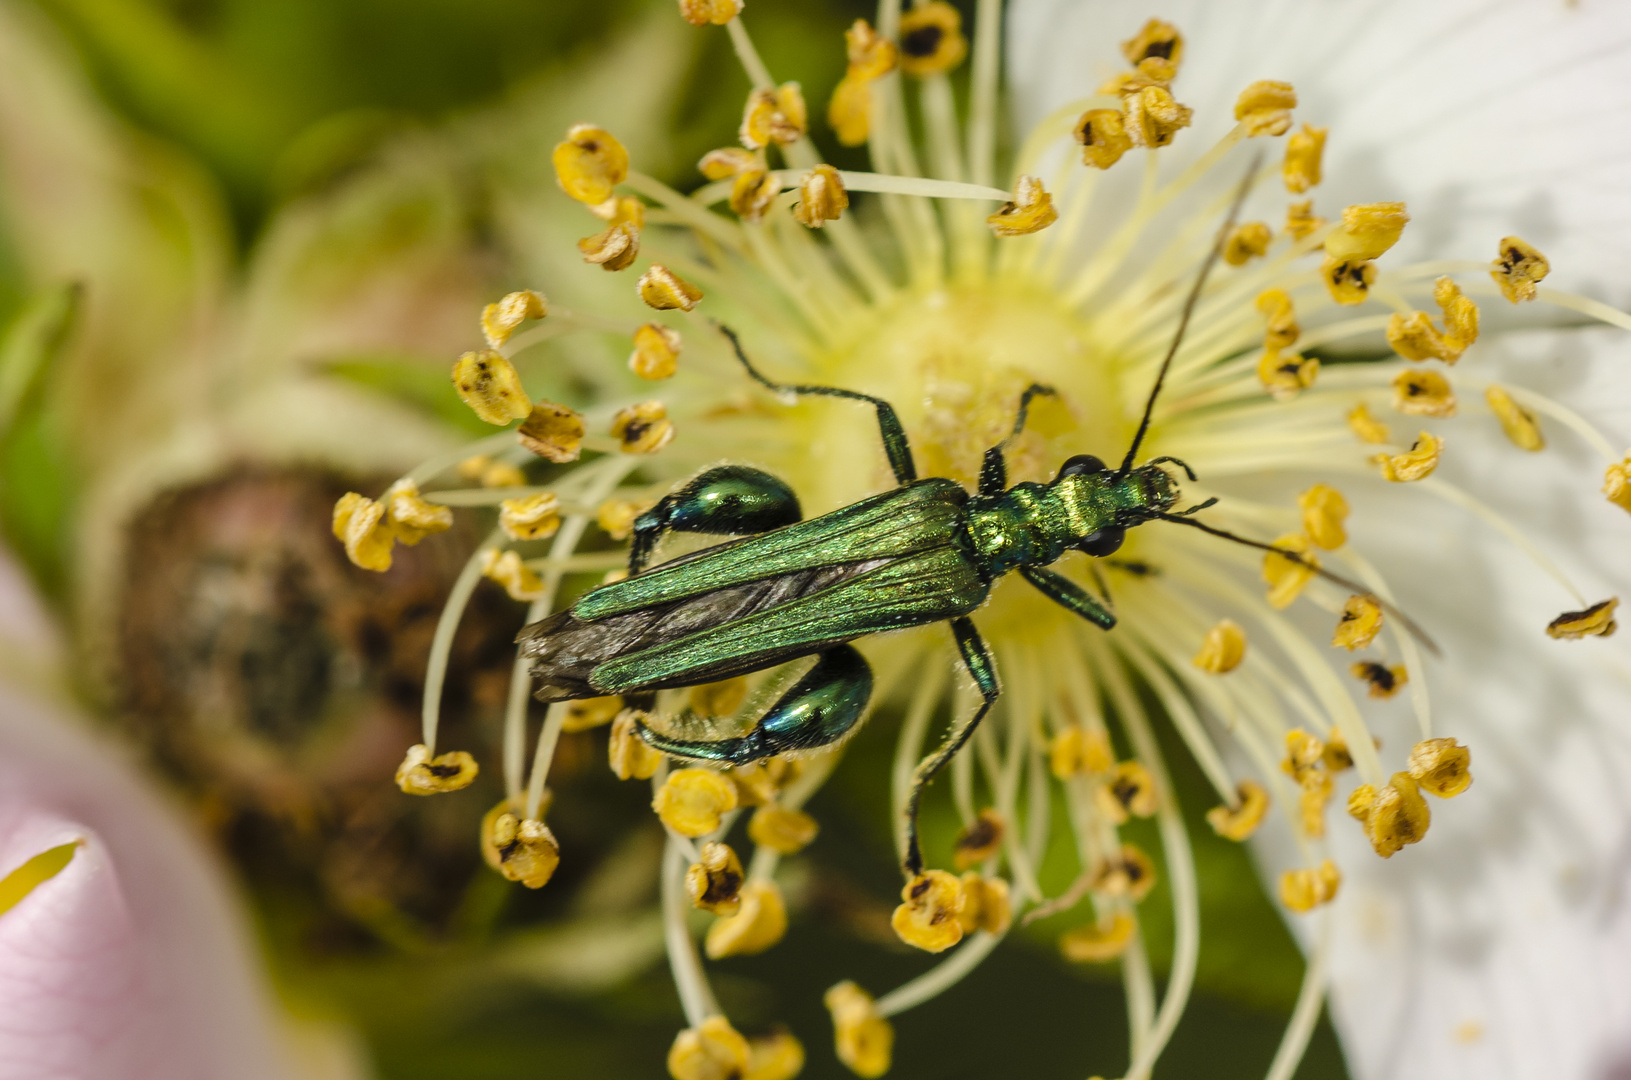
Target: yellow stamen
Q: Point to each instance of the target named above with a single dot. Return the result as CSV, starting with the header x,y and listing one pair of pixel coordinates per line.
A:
x,y
665,290
1304,152
1337,756
1075,751
500,319
1520,424
1247,242
1423,393
1442,766
1384,681
643,428
849,112
692,801
986,905
1324,510
927,918
1348,280
1367,231
1282,330
1158,40
753,193
1304,752
1265,107
1104,138
1304,890
553,432
1417,462
1361,621
1239,821
703,12
1129,791
715,883
1287,577
487,382
1394,816
1223,649
531,517
1030,211
1595,621
931,39
506,569
1518,269
589,713
871,56
630,756
1154,118
761,923
863,1040
421,774
777,1056
616,517
589,163
1301,221
726,162
1285,376
781,829
1315,792
656,352
1414,337
1616,485
492,474
1095,944
1367,427
713,1050
360,523
618,246
774,116
523,850
822,197
1129,873
979,840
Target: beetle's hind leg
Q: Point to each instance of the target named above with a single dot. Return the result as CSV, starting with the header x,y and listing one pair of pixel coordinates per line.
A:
x,y
818,710
980,665
730,500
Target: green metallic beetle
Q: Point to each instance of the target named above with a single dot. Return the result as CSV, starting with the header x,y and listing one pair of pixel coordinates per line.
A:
x,y
926,551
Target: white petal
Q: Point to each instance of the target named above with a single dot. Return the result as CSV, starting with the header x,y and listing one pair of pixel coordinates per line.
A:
x,y
1488,118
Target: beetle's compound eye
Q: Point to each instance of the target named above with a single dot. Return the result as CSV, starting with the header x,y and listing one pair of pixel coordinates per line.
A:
x,y
1106,541
1080,465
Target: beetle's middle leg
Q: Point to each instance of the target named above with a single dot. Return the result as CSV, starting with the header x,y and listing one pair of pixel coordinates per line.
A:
x,y
729,500
994,469
980,665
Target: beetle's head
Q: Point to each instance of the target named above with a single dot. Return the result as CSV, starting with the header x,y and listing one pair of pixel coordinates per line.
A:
x,y
1146,488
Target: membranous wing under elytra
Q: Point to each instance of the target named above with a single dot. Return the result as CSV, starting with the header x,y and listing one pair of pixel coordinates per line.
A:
x,y
894,560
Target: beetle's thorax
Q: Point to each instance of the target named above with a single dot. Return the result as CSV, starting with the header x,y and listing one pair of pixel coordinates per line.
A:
x,y
1035,524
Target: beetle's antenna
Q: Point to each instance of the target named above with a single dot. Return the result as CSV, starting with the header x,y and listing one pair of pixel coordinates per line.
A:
x,y
1189,309
1353,586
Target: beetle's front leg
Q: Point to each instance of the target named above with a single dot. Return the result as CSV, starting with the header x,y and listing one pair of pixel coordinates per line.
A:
x,y
820,709
729,500
980,665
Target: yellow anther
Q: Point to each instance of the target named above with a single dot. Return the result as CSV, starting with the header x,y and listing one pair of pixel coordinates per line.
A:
x,y
1414,337
643,428
487,382
1239,821
1367,231
1154,118
761,923
1301,221
710,1051
1394,816
986,905
1287,577
849,112
1129,873
1616,485
665,290
777,1056
360,523
1384,681
553,432
1324,511
1442,766
822,197
1359,624
1314,793
1367,427
753,193
1460,314
1414,464
726,162
1285,375
760,784
1030,211
1097,943
631,758
1304,890
781,829
589,713
1223,649
421,774
871,55
1337,756
531,517
616,517
1277,310
927,918
1103,135
1518,269
1595,621
1247,242
1348,280
720,698
1129,791
1519,423
1423,393
1075,751
589,163
1304,152
863,1040
1158,40
774,116
931,39
618,246
979,840
507,569
500,319
1304,753
715,883
692,801
703,12
656,352
1265,108
499,474
1150,72
523,850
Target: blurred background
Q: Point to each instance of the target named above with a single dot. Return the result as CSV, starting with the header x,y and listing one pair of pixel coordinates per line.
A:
x,y
240,242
